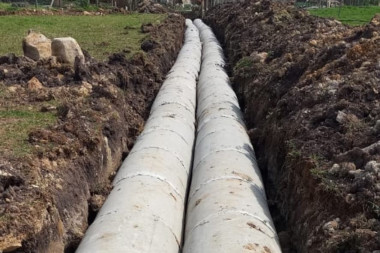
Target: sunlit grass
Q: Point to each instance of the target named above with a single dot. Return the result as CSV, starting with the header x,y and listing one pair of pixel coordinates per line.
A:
x,y
350,15
99,35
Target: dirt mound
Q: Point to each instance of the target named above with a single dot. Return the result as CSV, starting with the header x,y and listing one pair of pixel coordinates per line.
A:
x,y
48,196
309,88
149,6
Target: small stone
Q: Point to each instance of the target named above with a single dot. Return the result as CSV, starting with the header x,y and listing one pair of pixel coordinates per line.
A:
x,y
263,56
348,166
350,198
313,43
11,247
86,13
334,169
12,89
331,226
356,173
83,91
34,84
96,202
341,116
87,85
48,108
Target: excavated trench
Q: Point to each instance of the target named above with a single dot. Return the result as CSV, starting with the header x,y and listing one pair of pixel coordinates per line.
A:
x,y
226,205
308,88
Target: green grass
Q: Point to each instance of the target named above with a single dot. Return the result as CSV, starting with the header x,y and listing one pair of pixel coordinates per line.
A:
x,y
350,15
99,35
6,6
15,125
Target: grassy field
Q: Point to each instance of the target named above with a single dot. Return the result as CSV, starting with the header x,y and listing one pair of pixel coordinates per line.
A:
x,y
99,35
350,15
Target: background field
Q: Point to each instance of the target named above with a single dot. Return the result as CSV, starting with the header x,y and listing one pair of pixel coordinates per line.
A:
x,y
350,15
99,35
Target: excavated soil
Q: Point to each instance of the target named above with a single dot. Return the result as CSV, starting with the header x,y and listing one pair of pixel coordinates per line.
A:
x,y
48,197
309,88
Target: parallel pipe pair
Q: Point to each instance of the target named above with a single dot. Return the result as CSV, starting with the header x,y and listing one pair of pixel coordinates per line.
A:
x,y
227,209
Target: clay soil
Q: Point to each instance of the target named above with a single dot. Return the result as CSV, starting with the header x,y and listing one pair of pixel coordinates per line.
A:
x,y
309,88
48,196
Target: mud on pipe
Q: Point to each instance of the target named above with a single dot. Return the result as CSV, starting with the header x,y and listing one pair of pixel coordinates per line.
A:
x,y
144,211
227,207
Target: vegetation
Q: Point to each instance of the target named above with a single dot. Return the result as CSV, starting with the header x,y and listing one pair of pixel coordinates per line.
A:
x,y
99,35
6,6
350,15
15,126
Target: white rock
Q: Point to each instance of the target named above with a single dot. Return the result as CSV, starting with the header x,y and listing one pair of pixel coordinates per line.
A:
x,y
66,49
36,46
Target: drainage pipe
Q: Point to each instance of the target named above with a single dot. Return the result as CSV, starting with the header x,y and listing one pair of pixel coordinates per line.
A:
x,y
227,207
144,211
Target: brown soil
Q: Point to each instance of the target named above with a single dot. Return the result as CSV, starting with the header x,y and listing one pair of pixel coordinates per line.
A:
x,y
48,196
309,88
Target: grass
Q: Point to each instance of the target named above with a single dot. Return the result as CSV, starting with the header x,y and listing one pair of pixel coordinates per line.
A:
x,y
99,35
6,6
16,122
15,125
350,15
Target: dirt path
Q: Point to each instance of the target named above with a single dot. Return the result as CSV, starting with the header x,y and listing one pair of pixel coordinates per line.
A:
x,y
48,197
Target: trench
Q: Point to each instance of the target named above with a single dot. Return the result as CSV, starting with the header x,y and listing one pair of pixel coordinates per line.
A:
x,y
151,203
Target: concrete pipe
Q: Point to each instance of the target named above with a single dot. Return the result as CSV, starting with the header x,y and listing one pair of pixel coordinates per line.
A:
x,y
144,211
227,208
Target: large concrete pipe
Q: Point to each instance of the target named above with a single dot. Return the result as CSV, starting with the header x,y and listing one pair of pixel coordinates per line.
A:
x,y
227,207
144,211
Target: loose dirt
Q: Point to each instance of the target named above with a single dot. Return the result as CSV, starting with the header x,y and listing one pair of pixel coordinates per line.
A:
x,y
309,88
48,196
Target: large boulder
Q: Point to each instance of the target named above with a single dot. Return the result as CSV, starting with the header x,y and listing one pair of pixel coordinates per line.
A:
x,y
36,46
66,49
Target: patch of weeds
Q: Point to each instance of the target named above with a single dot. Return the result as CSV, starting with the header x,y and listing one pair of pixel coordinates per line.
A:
x,y
375,208
294,152
244,67
317,171
16,124
245,62
270,54
5,217
355,126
